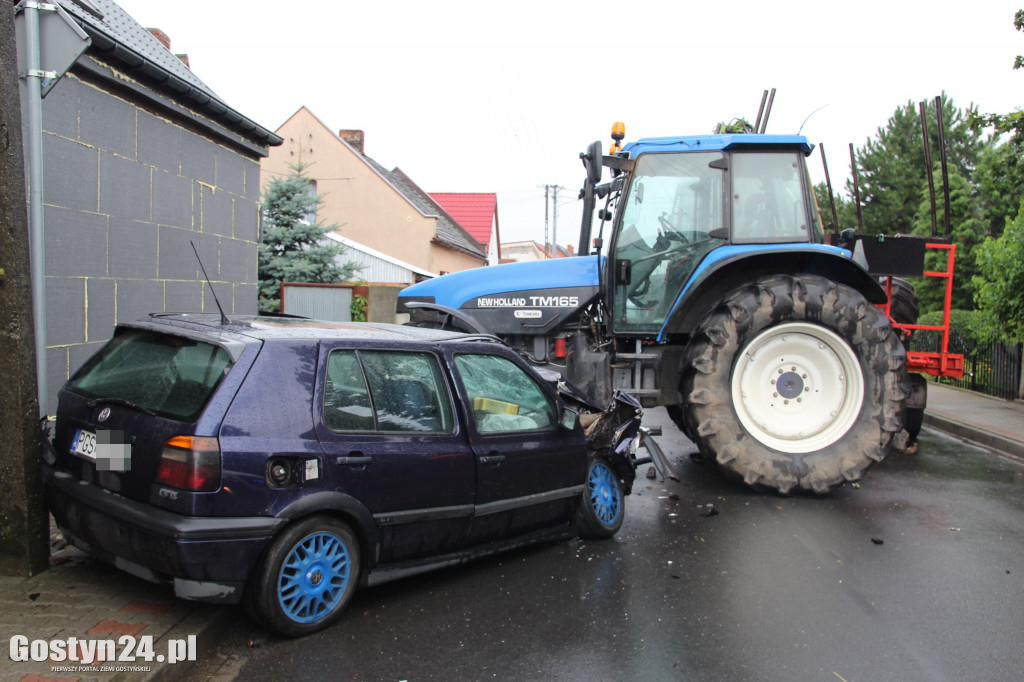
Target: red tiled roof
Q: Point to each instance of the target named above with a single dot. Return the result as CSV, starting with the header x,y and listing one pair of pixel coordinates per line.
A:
x,y
474,211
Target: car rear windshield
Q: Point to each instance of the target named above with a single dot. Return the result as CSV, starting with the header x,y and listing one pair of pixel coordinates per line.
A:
x,y
169,375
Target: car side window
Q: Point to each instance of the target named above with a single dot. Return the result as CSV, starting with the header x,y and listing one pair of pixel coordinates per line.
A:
x,y
386,391
503,396
346,398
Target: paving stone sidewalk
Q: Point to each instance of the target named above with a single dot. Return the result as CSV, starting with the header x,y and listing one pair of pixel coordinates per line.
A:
x,y
89,601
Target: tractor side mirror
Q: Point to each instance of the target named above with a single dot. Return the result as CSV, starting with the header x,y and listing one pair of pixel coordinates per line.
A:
x,y
592,162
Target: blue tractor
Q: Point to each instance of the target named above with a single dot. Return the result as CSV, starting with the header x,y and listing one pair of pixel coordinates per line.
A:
x,y
718,298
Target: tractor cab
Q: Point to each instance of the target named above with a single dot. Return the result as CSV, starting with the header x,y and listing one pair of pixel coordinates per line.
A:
x,y
683,198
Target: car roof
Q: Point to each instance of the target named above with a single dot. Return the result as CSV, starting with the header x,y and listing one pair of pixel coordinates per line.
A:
x,y
283,327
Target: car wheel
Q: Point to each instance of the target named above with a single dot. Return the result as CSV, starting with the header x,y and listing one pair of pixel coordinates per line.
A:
x,y
307,577
601,508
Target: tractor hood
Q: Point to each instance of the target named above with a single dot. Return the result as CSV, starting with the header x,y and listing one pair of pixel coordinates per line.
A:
x,y
514,297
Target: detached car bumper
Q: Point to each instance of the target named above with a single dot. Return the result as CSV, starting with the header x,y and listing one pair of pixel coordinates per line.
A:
x,y
206,559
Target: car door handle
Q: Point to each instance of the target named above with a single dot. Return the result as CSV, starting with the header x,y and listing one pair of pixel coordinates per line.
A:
x,y
355,459
492,458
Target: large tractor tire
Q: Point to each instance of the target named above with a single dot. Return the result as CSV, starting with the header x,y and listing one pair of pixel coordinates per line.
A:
x,y
794,382
904,310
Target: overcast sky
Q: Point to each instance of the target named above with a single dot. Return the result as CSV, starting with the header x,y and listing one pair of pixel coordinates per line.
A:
x,y
471,96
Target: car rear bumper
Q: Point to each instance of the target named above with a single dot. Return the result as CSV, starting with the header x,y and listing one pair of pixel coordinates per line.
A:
x,y
205,558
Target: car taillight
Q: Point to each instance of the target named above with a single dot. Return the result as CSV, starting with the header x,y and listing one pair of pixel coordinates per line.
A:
x,y
190,463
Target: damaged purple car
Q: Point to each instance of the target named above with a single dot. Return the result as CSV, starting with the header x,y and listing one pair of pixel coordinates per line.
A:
x,y
283,462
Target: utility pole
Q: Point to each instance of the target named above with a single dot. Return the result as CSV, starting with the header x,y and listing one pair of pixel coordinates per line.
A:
x,y
547,244
24,533
549,192
554,221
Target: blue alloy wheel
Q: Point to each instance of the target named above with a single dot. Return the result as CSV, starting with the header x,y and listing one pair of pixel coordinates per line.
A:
x,y
601,510
306,577
605,496
314,577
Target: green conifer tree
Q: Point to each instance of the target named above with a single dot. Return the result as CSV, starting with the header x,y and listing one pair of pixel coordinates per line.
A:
x,y
294,247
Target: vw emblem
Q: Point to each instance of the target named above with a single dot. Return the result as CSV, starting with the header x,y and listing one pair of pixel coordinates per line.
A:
x,y
104,413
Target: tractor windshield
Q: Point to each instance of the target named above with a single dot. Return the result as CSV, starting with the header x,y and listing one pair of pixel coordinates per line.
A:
x,y
674,202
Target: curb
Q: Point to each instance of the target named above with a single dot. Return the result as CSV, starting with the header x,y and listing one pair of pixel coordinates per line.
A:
x,y
1007,446
208,624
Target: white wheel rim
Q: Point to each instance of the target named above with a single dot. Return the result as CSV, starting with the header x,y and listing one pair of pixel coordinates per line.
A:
x,y
798,387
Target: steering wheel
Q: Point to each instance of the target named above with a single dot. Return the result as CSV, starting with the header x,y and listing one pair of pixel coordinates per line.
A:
x,y
671,231
685,250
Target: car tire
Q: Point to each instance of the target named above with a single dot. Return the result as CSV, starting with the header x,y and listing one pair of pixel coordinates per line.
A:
x,y
602,504
307,577
759,382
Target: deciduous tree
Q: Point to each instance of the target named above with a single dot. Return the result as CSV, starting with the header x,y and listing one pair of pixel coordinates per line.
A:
x,y
1000,282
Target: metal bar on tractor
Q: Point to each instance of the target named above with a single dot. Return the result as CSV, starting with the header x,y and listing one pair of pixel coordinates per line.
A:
x,y
942,156
856,190
828,183
928,166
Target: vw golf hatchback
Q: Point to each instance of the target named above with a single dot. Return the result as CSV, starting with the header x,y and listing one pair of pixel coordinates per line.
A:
x,y
283,462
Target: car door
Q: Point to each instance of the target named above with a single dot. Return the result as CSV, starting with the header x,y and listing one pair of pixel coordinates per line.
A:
x,y
386,423
529,468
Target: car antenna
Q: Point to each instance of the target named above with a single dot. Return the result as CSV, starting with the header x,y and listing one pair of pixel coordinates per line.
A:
x,y
223,318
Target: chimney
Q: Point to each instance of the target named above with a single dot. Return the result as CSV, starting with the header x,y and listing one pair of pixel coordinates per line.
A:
x,y
164,39
569,248
355,138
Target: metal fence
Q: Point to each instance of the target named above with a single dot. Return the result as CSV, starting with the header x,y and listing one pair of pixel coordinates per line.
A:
x,y
991,368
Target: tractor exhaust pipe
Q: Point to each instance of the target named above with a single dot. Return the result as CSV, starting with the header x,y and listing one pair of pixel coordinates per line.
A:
x,y
767,112
760,112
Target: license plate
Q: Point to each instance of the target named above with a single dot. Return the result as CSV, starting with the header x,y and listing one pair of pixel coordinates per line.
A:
x,y
84,444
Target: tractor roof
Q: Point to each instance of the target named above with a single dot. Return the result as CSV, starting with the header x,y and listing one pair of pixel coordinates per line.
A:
x,y
716,143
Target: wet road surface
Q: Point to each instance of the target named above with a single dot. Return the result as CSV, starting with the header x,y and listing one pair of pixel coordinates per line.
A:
x,y
918,574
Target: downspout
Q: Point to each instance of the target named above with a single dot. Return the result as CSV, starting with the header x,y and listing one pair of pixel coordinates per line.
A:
x,y
34,151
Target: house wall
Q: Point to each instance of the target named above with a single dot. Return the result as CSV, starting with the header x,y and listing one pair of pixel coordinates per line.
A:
x,y
366,208
449,260
126,187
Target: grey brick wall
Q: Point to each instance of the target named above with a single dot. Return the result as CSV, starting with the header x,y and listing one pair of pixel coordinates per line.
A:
x,y
125,192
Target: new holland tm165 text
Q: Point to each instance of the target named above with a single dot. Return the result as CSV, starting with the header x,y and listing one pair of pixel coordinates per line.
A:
x,y
719,298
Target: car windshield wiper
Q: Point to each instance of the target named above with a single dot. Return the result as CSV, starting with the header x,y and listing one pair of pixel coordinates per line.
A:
x,y
122,402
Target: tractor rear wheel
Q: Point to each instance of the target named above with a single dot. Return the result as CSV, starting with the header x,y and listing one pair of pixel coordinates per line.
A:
x,y
794,382
904,310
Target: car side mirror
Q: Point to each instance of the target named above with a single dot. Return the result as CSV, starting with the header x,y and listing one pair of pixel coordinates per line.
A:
x,y
568,419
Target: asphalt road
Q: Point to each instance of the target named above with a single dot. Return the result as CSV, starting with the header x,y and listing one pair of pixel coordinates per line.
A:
x,y
917,574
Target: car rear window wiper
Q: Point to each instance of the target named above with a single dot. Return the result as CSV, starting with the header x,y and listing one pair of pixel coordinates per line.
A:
x,y
123,403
